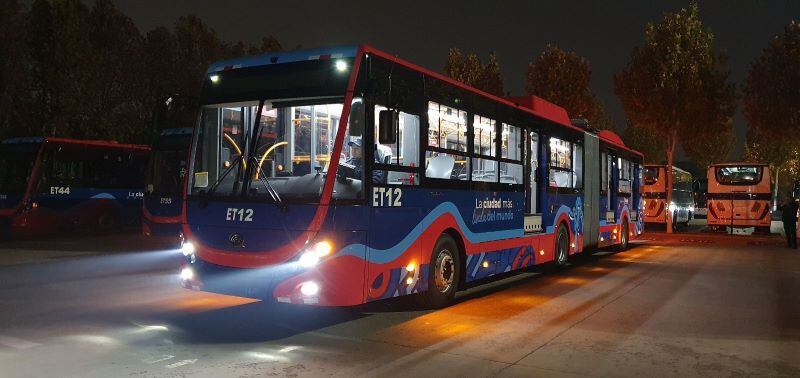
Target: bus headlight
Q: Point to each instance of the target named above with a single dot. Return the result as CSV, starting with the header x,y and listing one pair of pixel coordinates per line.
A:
x,y
672,207
691,209
187,248
312,256
309,288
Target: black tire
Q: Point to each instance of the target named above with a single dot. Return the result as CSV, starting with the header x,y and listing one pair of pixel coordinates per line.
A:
x,y
444,273
624,237
562,246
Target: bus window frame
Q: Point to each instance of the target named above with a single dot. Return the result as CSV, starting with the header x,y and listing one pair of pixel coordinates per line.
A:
x,y
760,174
573,140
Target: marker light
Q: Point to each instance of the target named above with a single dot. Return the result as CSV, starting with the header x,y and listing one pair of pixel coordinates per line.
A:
x,y
309,288
341,65
214,78
541,252
187,248
410,267
409,280
312,256
485,264
187,274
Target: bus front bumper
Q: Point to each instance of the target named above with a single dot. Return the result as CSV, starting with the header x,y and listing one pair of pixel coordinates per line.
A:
x,y
337,281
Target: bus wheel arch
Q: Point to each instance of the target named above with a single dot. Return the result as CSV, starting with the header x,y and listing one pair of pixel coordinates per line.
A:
x,y
462,252
447,256
624,234
562,228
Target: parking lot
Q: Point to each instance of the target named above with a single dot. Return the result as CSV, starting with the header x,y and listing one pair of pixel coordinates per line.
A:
x,y
677,305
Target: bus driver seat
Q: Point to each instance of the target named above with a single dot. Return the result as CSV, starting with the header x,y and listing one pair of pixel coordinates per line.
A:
x,y
440,166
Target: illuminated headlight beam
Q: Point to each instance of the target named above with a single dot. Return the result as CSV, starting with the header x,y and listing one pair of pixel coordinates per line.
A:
x,y
187,274
313,255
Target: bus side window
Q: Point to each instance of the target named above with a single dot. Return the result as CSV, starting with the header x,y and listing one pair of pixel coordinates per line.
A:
x,y
446,157
511,148
403,152
562,165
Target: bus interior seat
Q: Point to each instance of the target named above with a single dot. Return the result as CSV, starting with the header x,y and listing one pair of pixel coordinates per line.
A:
x,y
508,179
383,154
440,166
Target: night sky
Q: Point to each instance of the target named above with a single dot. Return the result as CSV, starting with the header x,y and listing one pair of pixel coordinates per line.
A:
x,y
423,31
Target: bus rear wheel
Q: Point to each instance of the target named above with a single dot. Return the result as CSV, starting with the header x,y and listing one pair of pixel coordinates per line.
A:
x,y
444,273
623,237
562,246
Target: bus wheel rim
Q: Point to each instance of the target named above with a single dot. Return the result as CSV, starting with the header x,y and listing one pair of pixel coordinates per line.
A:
x,y
445,271
562,253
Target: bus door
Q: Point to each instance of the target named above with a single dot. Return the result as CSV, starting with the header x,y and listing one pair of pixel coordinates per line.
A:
x,y
533,192
591,197
611,216
397,204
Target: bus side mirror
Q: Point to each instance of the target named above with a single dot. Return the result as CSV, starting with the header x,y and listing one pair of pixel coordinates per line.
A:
x,y
357,118
388,121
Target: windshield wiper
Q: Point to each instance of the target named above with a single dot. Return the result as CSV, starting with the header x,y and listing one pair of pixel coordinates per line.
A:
x,y
270,189
228,170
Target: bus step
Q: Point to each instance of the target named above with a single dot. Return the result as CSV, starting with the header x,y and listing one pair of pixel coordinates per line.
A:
x,y
533,223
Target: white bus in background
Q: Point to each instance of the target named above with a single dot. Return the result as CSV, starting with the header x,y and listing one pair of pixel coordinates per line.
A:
x,y
656,207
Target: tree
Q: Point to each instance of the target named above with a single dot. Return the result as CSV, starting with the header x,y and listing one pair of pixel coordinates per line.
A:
x,y
60,58
665,88
564,78
713,110
115,103
268,44
13,70
472,72
641,139
771,105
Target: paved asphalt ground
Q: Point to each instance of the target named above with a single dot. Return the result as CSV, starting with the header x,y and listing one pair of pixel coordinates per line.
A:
x,y
678,305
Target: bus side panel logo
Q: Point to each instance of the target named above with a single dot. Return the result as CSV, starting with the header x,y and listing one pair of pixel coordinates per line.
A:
x,y
387,197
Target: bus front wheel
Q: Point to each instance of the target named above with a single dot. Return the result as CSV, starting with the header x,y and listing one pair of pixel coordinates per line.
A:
x,y
444,273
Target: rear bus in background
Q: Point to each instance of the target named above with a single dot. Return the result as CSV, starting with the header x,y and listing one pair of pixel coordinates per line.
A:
x,y
166,173
52,185
739,196
656,207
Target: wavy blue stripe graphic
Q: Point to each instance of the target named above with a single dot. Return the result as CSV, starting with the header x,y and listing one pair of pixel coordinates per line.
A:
x,y
383,256
103,196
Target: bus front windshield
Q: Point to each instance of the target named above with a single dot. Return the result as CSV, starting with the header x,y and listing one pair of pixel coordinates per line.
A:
x,y
16,163
168,165
739,175
268,147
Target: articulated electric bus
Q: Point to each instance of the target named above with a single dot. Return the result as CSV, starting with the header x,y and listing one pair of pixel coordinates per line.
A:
x,y
49,185
166,172
739,196
340,176
656,207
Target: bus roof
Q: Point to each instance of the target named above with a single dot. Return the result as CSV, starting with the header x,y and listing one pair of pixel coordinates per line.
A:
x,y
739,164
284,57
98,143
529,104
674,168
